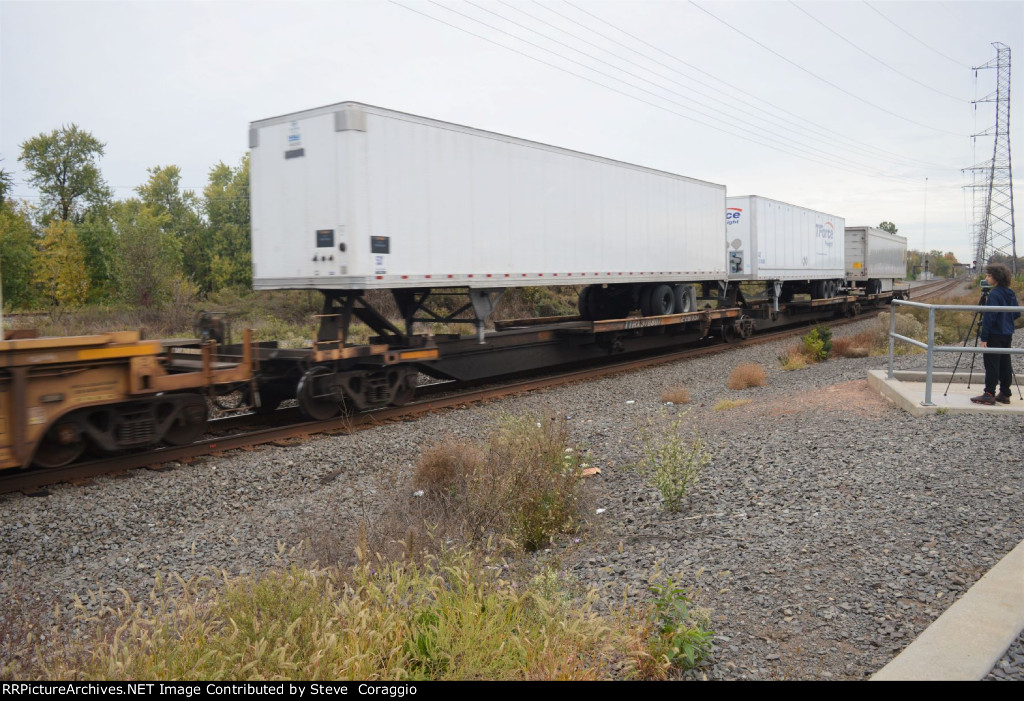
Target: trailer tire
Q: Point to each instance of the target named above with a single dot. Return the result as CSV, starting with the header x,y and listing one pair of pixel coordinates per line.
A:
x,y
659,300
686,299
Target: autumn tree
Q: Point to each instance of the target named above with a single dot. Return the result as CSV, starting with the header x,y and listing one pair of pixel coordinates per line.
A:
x,y
59,268
226,202
63,166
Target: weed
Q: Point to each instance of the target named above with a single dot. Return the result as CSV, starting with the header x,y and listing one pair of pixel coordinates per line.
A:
x,y
794,359
676,395
673,462
523,484
746,375
450,617
681,639
727,404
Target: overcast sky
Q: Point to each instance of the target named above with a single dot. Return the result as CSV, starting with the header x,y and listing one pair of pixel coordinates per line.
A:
x,y
845,107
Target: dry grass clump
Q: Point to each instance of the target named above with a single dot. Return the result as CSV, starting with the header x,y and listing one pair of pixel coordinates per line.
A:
x,y
448,618
746,375
858,346
795,357
524,484
726,404
676,395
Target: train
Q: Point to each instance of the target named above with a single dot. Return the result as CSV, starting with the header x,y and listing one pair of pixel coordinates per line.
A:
x,y
350,198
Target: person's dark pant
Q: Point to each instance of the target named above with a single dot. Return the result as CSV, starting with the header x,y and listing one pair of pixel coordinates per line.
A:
x,y
997,365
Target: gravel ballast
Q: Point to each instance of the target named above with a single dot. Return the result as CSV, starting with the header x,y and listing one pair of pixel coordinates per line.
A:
x,y
829,529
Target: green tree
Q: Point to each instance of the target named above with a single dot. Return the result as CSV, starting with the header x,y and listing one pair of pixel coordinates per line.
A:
x,y
17,253
181,217
63,166
96,234
147,263
59,268
6,181
888,226
226,201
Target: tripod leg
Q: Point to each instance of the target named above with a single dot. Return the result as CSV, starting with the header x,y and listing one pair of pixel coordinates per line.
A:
x,y
956,365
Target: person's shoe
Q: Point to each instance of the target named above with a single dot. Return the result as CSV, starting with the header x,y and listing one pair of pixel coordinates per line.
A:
x,y
987,398
1003,398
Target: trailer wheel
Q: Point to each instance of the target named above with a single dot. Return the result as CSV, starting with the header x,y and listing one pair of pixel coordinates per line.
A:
x,y
583,303
685,299
660,300
818,289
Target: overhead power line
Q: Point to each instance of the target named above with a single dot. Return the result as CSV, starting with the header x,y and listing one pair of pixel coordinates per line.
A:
x,y
832,135
710,125
875,58
889,20
757,129
818,77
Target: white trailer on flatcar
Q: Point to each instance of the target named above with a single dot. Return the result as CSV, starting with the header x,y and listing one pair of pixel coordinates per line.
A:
x,y
875,259
356,197
793,248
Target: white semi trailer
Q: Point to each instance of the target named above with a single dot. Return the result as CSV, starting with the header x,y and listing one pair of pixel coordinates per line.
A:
x,y
875,259
355,197
793,249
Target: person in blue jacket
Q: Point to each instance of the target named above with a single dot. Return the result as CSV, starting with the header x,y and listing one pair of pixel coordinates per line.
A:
x,y
997,332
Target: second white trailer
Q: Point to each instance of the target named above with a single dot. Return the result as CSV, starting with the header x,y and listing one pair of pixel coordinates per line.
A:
x,y
773,241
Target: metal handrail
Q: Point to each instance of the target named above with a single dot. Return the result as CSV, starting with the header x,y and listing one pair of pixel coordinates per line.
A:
x,y
931,348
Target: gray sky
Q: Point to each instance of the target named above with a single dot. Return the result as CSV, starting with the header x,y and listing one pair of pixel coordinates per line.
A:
x,y
818,123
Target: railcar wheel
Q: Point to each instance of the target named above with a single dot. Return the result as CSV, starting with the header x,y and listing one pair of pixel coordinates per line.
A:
x,y
62,445
189,424
271,398
314,402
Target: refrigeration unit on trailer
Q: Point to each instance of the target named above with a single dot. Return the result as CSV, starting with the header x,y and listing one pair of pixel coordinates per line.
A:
x,y
792,249
874,258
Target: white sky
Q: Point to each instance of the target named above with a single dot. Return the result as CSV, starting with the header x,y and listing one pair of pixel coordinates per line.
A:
x,y
171,82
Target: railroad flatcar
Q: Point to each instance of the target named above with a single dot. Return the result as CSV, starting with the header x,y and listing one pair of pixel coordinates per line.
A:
x,y
349,198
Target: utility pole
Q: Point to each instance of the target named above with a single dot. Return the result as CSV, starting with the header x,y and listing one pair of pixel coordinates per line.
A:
x,y
993,181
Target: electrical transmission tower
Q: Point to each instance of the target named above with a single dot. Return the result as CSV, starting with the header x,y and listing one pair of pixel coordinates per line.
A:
x,y
993,181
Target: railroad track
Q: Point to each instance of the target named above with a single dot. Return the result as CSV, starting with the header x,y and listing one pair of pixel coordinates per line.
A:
x,y
285,425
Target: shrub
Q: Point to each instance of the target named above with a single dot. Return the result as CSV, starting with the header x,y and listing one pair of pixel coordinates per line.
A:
x,y
673,462
676,395
746,375
818,343
523,484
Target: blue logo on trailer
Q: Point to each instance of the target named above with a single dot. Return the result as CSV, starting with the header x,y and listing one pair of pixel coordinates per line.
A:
x,y
826,232
732,215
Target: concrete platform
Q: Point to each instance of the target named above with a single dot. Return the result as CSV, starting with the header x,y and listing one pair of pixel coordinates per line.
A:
x,y
907,389
972,635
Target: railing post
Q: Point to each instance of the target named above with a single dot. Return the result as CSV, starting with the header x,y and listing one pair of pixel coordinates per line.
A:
x,y
892,330
931,358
